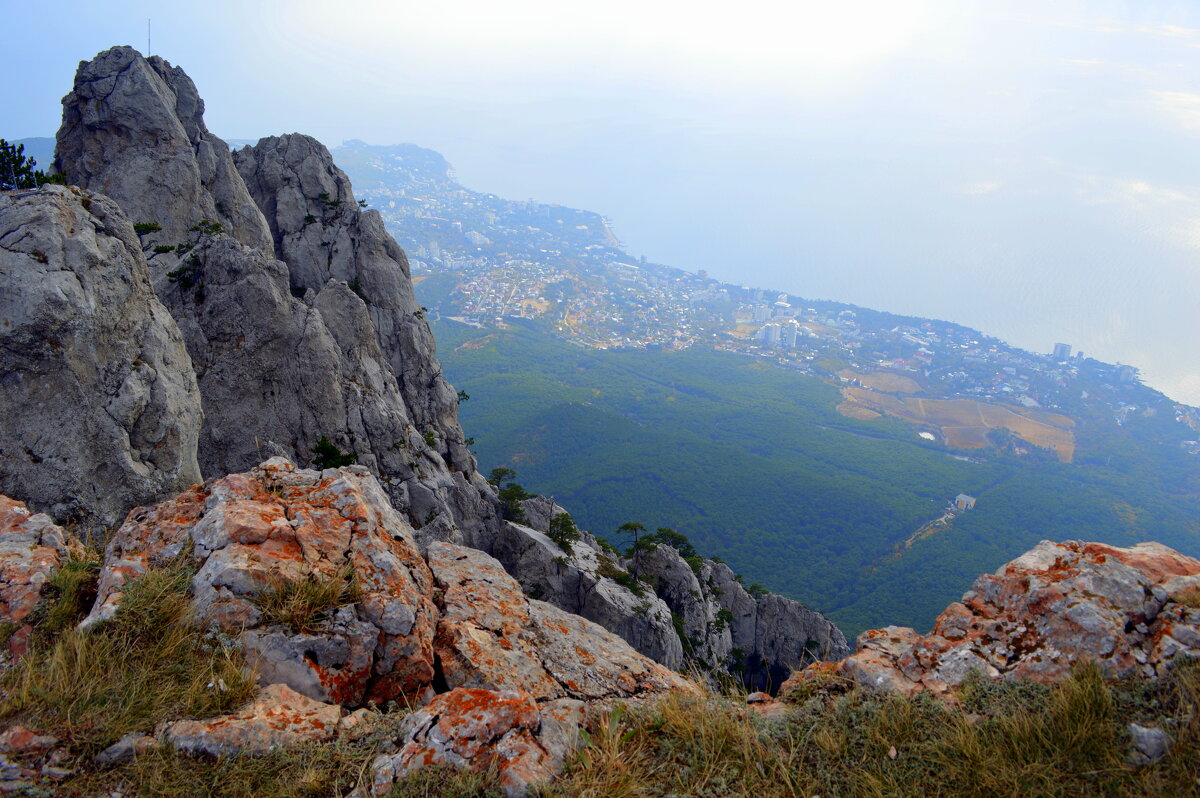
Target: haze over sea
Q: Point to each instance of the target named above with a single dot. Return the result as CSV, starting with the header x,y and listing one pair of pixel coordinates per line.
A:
x,y
1028,169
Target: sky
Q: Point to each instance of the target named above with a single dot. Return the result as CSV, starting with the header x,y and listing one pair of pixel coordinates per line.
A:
x,y
1026,168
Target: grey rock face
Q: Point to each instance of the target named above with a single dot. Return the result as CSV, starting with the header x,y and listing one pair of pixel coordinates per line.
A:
x,y
575,582
133,129
277,373
322,234
100,406
761,639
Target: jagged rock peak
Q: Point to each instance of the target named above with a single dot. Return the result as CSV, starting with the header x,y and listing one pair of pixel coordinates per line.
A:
x,y
133,129
322,234
100,405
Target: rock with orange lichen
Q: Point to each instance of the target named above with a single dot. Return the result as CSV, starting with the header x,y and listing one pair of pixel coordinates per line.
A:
x,y
492,636
31,550
251,533
278,717
526,742
1057,605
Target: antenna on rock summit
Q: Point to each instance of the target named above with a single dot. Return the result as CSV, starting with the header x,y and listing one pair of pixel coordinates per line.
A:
x,y
147,38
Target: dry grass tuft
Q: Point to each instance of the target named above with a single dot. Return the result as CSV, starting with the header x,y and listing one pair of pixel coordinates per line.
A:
x,y
303,604
148,664
1188,598
1012,739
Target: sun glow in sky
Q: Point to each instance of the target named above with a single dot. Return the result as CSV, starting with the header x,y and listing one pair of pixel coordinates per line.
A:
x,y
1026,168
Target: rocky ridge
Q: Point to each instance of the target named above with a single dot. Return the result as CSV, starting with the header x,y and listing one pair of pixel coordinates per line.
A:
x,y
299,321
1132,611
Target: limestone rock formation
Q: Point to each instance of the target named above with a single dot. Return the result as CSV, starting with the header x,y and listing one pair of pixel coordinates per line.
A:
x,y
576,581
322,234
32,548
328,343
100,405
1130,610
491,636
478,729
398,626
253,533
405,623
278,717
133,130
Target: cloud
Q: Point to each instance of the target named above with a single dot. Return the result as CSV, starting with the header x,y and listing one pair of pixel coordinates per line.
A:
x,y
1169,31
1182,106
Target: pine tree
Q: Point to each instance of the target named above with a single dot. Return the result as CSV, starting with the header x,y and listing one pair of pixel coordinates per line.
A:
x,y
17,170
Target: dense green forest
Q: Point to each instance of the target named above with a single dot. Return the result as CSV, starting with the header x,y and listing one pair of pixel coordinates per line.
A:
x,y
754,464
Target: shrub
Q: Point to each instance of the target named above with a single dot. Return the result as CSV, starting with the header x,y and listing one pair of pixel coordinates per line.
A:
x,y
500,474
207,227
189,274
327,455
144,228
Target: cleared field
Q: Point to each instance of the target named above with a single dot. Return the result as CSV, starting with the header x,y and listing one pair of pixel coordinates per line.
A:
x,y
855,410
965,422
886,381
744,330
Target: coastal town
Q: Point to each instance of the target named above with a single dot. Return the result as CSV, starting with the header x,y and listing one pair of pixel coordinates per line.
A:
x,y
481,259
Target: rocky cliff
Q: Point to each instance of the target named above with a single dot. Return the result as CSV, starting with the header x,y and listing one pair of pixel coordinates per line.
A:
x,y
100,405
299,321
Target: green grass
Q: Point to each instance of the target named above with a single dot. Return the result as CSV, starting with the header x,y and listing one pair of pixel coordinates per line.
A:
x,y
69,594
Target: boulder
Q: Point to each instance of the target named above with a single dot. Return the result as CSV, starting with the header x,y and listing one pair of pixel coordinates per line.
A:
x,y
32,548
1038,616
491,636
21,741
133,130
100,404
1148,744
473,728
278,717
256,532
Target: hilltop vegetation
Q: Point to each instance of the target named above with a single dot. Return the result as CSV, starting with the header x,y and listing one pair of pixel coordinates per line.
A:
x,y
755,465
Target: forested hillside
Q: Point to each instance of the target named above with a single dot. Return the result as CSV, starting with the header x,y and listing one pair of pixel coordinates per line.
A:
x,y
754,464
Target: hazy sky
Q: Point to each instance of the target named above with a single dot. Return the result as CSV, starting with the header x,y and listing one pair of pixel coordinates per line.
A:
x,y
1029,172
